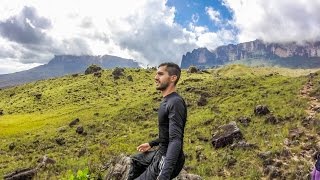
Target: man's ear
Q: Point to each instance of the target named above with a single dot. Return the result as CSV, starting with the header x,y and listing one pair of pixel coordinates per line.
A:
x,y
173,78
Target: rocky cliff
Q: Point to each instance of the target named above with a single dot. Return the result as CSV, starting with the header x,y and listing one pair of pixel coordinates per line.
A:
x,y
292,54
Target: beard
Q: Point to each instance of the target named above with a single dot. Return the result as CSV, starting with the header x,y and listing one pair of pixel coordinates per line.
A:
x,y
162,86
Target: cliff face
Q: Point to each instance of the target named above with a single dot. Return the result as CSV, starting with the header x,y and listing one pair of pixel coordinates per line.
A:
x,y
303,55
64,64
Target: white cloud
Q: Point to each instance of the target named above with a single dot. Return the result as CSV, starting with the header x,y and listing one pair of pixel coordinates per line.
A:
x,y
195,18
276,21
213,14
11,66
143,30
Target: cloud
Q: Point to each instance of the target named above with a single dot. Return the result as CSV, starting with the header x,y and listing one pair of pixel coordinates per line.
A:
x,y
11,66
143,30
213,14
195,18
276,21
26,28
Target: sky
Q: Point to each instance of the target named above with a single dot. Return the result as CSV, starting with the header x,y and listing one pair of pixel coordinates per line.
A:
x,y
149,31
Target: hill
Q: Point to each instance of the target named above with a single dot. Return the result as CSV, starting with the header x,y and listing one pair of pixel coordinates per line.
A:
x,y
117,114
62,65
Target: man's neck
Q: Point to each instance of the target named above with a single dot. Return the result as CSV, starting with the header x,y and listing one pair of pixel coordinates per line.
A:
x,y
168,91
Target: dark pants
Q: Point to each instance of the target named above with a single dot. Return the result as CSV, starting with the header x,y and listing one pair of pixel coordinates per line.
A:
x,y
148,165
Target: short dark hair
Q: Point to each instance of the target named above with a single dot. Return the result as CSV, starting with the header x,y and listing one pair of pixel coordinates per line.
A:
x,y
173,69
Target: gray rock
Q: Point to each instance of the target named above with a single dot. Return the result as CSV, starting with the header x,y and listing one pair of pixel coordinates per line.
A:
x,y
21,174
243,145
244,121
202,101
117,73
271,119
60,141
261,110
118,169
79,130
192,69
226,135
74,122
92,69
12,146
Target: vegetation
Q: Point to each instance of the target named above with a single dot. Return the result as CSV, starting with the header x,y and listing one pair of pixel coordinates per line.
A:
x,y
117,115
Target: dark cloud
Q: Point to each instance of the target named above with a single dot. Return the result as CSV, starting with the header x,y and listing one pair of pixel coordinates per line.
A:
x,y
26,27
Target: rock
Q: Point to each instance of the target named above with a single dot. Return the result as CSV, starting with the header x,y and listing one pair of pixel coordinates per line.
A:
x,y
29,173
202,101
286,153
79,130
118,168
74,122
21,174
244,121
130,78
82,152
60,141
37,95
265,155
185,176
261,110
92,69
12,146
243,145
44,160
307,146
316,108
97,74
117,73
192,69
75,75
231,161
226,135
272,172
199,156
271,119
295,133
62,129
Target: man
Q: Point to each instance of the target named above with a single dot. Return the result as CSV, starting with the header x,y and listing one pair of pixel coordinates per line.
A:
x,y
167,161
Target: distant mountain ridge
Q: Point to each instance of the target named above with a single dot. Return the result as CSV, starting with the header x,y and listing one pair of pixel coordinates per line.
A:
x,y
64,64
292,55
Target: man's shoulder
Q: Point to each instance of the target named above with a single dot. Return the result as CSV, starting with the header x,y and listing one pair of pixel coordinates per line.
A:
x,y
175,99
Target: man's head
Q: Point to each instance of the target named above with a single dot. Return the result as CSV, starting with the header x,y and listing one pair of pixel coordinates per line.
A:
x,y
168,74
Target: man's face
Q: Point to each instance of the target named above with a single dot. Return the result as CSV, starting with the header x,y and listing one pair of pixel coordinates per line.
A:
x,y
162,78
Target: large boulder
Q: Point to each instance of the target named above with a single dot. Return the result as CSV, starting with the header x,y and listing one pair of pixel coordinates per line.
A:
x,y
226,135
192,69
29,173
118,169
117,72
92,69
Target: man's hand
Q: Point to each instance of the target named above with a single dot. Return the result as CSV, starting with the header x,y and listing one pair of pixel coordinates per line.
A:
x,y
144,147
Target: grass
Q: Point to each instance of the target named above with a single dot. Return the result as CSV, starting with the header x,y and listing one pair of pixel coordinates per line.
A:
x,y
118,115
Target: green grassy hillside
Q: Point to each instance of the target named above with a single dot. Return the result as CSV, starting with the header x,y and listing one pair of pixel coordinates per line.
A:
x,y
117,115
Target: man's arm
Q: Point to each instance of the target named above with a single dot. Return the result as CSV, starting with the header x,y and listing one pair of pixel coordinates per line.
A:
x,y
177,113
155,142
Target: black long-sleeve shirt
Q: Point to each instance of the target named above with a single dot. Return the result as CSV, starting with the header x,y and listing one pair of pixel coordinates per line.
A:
x,y
172,117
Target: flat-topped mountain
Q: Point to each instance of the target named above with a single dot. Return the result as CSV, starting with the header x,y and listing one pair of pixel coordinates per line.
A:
x,y
257,52
64,64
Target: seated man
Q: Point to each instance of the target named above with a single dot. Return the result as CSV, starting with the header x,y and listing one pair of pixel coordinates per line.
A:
x,y
167,161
